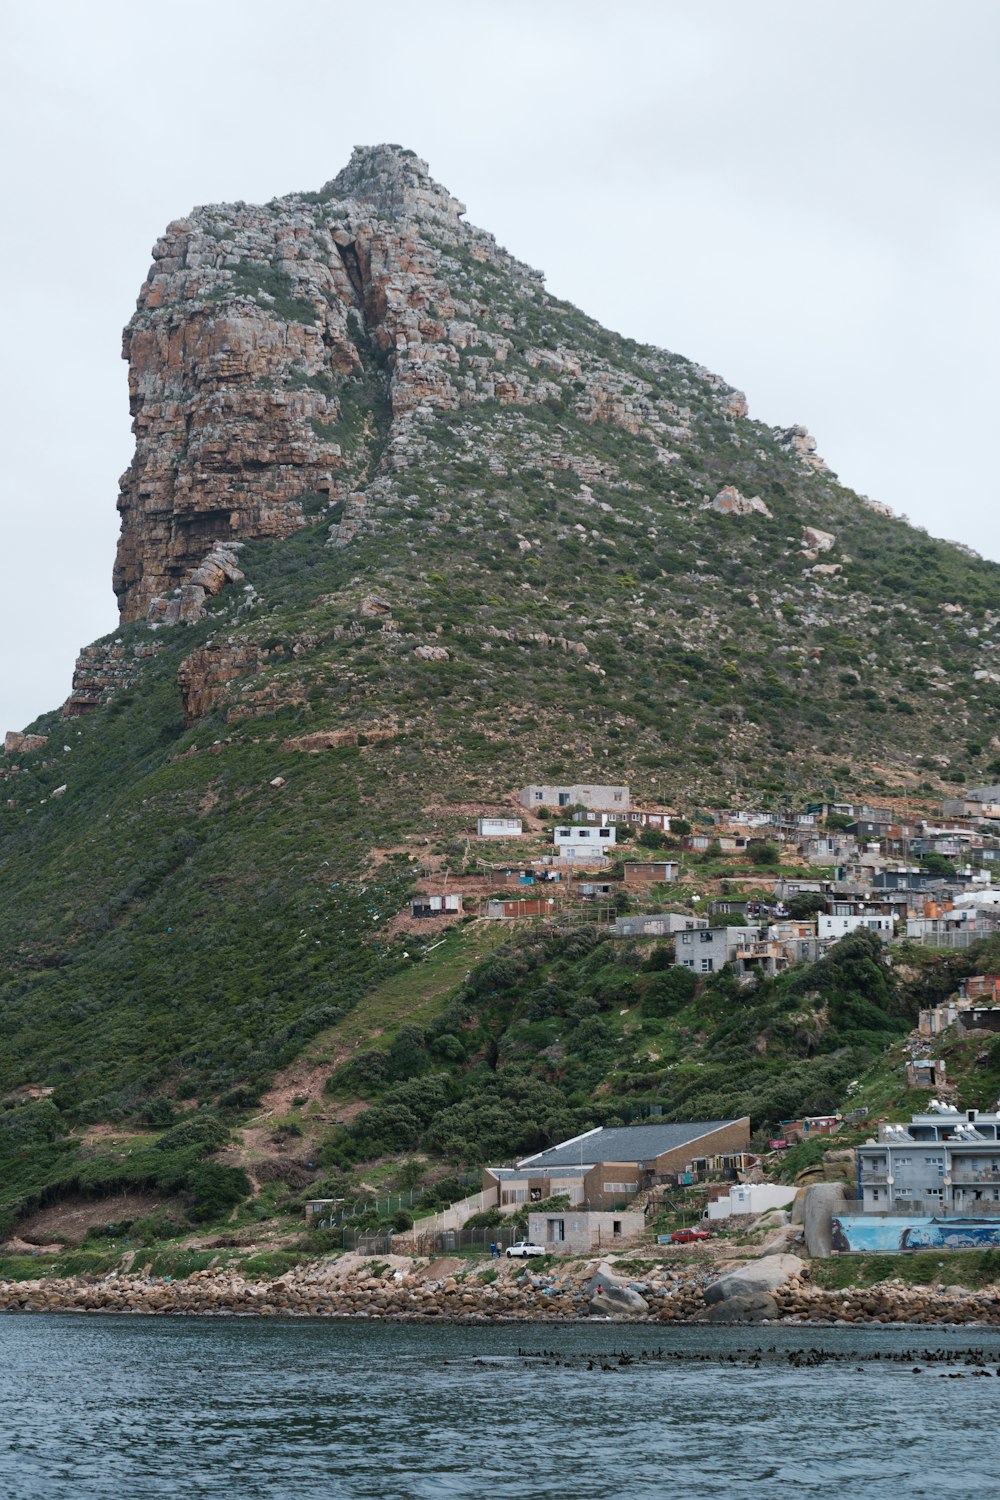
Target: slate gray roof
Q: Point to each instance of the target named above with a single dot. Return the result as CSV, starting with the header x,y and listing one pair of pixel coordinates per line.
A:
x,y
625,1143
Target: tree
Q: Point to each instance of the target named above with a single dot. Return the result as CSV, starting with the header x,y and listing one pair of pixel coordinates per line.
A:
x,y
764,854
806,905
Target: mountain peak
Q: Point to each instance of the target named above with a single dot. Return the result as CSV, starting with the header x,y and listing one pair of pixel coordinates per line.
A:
x,y
396,182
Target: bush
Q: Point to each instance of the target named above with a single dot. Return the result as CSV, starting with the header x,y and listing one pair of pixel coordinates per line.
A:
x,y
216,1190
668,992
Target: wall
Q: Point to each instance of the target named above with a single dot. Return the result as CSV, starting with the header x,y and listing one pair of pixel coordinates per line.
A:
x,y
752,1198
584,1232
868,1232
725,1141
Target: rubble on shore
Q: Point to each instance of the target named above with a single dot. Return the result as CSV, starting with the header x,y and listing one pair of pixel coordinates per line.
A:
x,y
406,1290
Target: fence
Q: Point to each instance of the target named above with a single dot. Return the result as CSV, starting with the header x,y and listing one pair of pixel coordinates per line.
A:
x,y
384,1207
442,1241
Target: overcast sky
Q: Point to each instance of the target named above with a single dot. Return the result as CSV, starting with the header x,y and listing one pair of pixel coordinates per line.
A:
x,y
801,196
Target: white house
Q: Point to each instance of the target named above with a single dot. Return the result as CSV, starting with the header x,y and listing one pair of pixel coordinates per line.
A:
x,y
831,927
751,1198
583,842
498,828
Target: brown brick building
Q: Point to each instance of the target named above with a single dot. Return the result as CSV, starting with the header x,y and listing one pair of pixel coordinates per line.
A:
x,y
608,1166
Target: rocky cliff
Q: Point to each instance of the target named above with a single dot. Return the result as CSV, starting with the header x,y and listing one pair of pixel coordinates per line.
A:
x,y
282,357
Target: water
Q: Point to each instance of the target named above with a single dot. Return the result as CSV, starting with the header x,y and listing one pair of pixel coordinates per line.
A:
x,y
135,1408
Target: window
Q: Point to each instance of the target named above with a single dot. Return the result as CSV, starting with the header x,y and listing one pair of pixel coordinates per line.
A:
x,y
618,796
604,833
621,1187
563,799
707,966
706,936
538,796
874,1195
688,963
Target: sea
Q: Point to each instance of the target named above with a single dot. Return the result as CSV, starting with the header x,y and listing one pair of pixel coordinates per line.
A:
x,y
94,1407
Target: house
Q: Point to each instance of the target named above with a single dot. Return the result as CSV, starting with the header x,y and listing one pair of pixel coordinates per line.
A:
x,y
658,924
507,910
981,1018
938,1018
436,906
498,828
604,1168
597,890
657,872
579,1231
583,842
709,949
751,1198
638,817
749,950
810,1126
831,926
945,1161
610,797
925,1073
976,802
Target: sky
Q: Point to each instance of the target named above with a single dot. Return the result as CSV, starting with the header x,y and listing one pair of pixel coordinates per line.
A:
x,y
802,197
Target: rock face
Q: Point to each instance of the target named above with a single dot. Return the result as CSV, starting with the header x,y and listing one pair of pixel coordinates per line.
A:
x,y
282,356
102,671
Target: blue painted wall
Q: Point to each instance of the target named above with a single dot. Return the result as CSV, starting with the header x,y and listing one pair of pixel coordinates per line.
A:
x,y
872,1232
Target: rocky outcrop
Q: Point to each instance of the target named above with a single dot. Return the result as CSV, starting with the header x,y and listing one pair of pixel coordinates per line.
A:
x,y
103,670
800,442
217,568
204,676
338,739
283,357
23,744
729,502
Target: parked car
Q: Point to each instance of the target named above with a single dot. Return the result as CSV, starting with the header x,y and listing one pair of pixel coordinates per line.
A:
x,y
522,1248
688,1236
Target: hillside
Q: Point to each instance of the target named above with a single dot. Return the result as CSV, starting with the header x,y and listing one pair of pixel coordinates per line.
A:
x,y
402,533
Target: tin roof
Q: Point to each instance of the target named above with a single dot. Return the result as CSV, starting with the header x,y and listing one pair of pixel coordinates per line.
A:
x,y
625,1143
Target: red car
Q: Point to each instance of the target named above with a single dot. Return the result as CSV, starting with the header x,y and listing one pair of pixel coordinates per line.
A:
x,y
688,1236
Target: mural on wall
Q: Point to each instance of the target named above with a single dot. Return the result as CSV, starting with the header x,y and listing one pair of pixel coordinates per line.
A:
x,y
869,1232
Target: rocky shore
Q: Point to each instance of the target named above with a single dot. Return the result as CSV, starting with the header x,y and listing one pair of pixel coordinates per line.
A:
x,y
765,1290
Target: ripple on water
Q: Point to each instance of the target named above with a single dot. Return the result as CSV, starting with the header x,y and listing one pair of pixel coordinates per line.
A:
x,y
137,1409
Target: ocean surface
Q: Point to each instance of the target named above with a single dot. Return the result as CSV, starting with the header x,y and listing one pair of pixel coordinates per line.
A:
x,y
131,1408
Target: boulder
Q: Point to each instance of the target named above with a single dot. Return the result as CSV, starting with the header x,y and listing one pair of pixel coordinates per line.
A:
x,y
820,1202
816,540
729,502
764,1275
617,1302
746,1307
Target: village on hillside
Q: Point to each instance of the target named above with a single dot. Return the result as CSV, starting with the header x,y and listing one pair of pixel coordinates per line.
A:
x,y
758,891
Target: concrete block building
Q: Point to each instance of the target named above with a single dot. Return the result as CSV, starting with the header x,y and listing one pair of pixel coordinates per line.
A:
x,y
945,1161
606,798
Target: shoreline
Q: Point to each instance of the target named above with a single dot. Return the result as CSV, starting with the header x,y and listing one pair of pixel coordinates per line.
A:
x,y
376,1293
